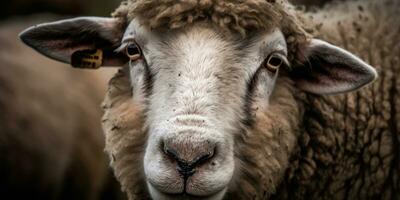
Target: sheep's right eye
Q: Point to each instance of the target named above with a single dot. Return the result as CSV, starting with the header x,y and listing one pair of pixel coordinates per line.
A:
x,y
133,51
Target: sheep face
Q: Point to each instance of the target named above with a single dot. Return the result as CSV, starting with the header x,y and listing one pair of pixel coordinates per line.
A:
x,y
198,86
218,109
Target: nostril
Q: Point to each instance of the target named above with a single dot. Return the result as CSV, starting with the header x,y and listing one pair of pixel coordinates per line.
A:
x,y
188,155
171,153
204,158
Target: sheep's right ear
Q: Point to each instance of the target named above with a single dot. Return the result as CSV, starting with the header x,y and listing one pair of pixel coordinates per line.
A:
x,y
84,42
328,69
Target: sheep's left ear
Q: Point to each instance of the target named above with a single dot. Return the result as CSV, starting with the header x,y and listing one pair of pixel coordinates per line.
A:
x,y
328,69
83,42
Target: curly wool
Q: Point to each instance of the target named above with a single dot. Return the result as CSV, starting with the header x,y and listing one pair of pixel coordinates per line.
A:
x,y
235,16
349,146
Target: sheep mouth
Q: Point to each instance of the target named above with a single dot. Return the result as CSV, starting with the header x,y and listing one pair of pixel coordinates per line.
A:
x,y
184,195
187,196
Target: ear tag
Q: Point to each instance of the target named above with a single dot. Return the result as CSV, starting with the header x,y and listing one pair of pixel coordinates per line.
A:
x,y
87,59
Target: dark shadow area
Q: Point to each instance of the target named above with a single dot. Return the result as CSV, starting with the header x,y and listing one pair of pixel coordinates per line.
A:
x,y
61,7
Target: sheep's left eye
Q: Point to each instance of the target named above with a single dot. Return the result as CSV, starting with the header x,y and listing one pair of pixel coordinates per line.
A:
x,y
274,62
133,51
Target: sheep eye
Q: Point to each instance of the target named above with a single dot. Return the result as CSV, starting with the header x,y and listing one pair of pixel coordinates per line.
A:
x,y
273,63
133,51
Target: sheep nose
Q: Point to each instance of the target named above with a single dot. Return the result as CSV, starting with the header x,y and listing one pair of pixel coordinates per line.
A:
x,y
189,155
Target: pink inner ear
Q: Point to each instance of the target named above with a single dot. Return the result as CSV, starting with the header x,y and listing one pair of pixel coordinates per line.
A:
x,y
328,69
66,48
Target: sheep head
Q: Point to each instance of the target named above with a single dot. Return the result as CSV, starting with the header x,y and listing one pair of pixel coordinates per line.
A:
x,y
202,105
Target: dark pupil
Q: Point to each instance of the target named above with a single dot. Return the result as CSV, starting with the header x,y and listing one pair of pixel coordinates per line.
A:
x,y
132,50
275,61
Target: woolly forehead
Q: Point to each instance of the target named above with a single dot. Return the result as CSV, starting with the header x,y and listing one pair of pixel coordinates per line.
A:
x,y
237,16
229,16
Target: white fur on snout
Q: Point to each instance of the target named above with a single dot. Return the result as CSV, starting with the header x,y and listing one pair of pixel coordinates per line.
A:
x,y
213,178
159,173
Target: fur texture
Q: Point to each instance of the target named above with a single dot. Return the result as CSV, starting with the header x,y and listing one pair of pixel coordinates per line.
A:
x,y
232,15
350,144
50,135
123,123
345,146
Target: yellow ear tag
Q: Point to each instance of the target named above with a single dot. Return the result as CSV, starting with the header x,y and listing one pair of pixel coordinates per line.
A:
x,y
87,59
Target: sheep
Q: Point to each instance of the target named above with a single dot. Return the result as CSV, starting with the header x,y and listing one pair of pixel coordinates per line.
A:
x,y
240,100
51,141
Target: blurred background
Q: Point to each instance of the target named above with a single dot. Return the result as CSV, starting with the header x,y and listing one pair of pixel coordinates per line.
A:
x,y
51,143
60,7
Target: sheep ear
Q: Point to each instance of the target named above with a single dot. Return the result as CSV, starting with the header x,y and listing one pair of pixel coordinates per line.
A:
x,y
328,69
84,42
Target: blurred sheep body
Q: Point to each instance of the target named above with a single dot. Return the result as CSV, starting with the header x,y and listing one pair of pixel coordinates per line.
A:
x,y
51,143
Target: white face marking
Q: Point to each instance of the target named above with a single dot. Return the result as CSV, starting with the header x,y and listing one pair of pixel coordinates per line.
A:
x,y
196,101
